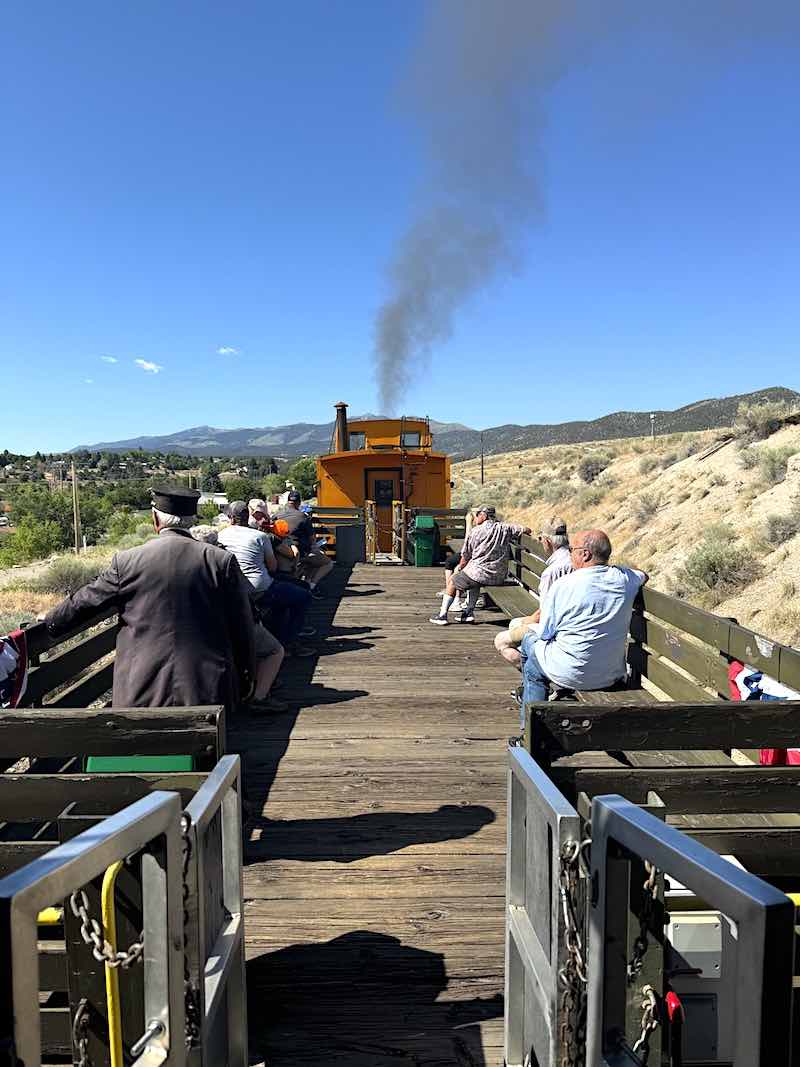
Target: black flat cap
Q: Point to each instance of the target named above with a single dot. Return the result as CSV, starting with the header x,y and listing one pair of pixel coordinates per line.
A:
x,y
175,500
294,496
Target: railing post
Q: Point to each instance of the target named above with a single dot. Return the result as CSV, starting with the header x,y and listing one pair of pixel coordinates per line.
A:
x,y
371,532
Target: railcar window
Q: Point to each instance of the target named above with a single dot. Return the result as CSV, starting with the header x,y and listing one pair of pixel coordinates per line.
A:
x,y
410,440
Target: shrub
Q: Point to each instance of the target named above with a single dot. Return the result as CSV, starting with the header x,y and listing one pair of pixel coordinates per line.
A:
x,y
780,528
719,567
31,540
645,507
591,467
66,575
755,422
208,512
717,478
682,497
554,492
749,458
120,523
590,497
647,464
720,532
669,459
773,462
144,530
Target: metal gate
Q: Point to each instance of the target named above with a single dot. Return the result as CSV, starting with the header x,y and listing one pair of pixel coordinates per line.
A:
x,y
761,920
152,826
543,839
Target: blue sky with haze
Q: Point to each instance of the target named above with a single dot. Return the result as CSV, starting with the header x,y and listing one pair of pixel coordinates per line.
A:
x,y
184,178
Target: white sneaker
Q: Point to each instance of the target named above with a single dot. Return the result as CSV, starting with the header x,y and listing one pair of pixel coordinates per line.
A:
x,y
439,620
458,605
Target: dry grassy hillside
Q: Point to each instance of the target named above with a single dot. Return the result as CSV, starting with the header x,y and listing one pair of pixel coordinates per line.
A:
x,y
721,530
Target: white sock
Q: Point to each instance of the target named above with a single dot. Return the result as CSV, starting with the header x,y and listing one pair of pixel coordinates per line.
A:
x,y
447,603
312,585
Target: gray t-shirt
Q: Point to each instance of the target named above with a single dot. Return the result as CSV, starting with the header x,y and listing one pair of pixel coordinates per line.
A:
x,y
253,550
486,551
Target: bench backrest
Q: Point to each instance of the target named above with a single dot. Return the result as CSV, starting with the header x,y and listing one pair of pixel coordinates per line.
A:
x,y
74,670
680,649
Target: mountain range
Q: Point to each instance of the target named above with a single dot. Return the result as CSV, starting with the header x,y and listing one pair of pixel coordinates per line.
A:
x,y
461,442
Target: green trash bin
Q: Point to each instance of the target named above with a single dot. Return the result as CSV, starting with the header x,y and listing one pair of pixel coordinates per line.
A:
x,y
425,539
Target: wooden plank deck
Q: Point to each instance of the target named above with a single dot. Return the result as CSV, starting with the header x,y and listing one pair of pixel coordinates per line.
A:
x,y
376,844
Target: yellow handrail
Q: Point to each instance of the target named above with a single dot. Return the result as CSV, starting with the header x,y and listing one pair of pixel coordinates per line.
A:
x,y
50,917
109,915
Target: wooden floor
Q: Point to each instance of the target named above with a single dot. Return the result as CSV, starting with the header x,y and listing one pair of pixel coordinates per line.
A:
x,y
375,860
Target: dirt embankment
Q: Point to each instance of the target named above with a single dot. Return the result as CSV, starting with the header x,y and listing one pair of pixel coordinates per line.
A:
x,y
720,527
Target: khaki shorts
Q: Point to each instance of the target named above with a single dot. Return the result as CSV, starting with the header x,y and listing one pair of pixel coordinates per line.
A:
x,y
463,582
266,644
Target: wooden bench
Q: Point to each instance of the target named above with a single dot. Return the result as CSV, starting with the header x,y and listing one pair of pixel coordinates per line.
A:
x,y
42,808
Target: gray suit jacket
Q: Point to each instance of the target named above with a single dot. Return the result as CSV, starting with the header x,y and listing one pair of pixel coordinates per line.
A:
x,y
186,623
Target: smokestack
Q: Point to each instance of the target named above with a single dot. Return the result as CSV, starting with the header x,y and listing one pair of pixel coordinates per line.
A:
x,y
342,433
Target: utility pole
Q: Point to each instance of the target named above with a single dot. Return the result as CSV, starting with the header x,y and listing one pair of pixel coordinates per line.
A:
x,y
76,510
482,471
652,426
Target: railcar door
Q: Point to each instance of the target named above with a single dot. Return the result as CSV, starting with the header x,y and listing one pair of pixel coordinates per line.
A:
x,y
383,486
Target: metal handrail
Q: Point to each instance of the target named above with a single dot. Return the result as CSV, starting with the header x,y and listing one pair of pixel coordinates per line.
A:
x,y
152,821
220,971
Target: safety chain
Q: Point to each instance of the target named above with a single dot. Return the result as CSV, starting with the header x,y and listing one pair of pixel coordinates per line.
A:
x,y
572,974
651,1020
646,920
190,994
80,1033
92,934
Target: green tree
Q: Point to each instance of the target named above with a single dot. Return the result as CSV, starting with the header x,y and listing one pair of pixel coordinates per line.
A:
x,y
207,512
272,484
303,474
210,481
31,540
240,488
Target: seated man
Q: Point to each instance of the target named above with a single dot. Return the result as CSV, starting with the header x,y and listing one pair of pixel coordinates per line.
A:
x,y
484,561
555,546
259,515
581,638
288,603
313,564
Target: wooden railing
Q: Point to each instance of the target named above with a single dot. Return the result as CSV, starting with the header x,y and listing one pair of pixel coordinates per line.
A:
x,y
326,521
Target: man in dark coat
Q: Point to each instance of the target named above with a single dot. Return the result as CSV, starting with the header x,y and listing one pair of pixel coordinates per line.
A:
x,y
186,635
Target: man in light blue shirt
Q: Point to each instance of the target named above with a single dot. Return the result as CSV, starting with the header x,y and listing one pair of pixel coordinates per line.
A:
x,y
581,638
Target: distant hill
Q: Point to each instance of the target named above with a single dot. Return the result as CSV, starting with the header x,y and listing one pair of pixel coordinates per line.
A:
x,y
297,439
702,415
305,438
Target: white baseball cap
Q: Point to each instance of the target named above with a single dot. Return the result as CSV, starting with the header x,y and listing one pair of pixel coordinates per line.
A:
x,y
258,505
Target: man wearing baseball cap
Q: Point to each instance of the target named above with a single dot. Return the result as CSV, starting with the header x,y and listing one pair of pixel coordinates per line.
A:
x,y
484,561
259,515
313,565
555,547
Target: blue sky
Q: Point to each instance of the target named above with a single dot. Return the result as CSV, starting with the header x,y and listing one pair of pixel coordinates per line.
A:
x,y
188,177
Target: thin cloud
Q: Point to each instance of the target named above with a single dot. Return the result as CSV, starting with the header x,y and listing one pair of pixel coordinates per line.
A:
x,y
227,350
88,381
109,359
148,366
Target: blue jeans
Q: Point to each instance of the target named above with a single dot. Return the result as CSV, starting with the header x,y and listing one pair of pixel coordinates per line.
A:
x,y
288,603
535,681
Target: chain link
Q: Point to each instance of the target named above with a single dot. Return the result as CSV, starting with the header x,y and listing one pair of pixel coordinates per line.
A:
x,y
646,921
651,1020
191,996
572,975
80,1033
92,934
